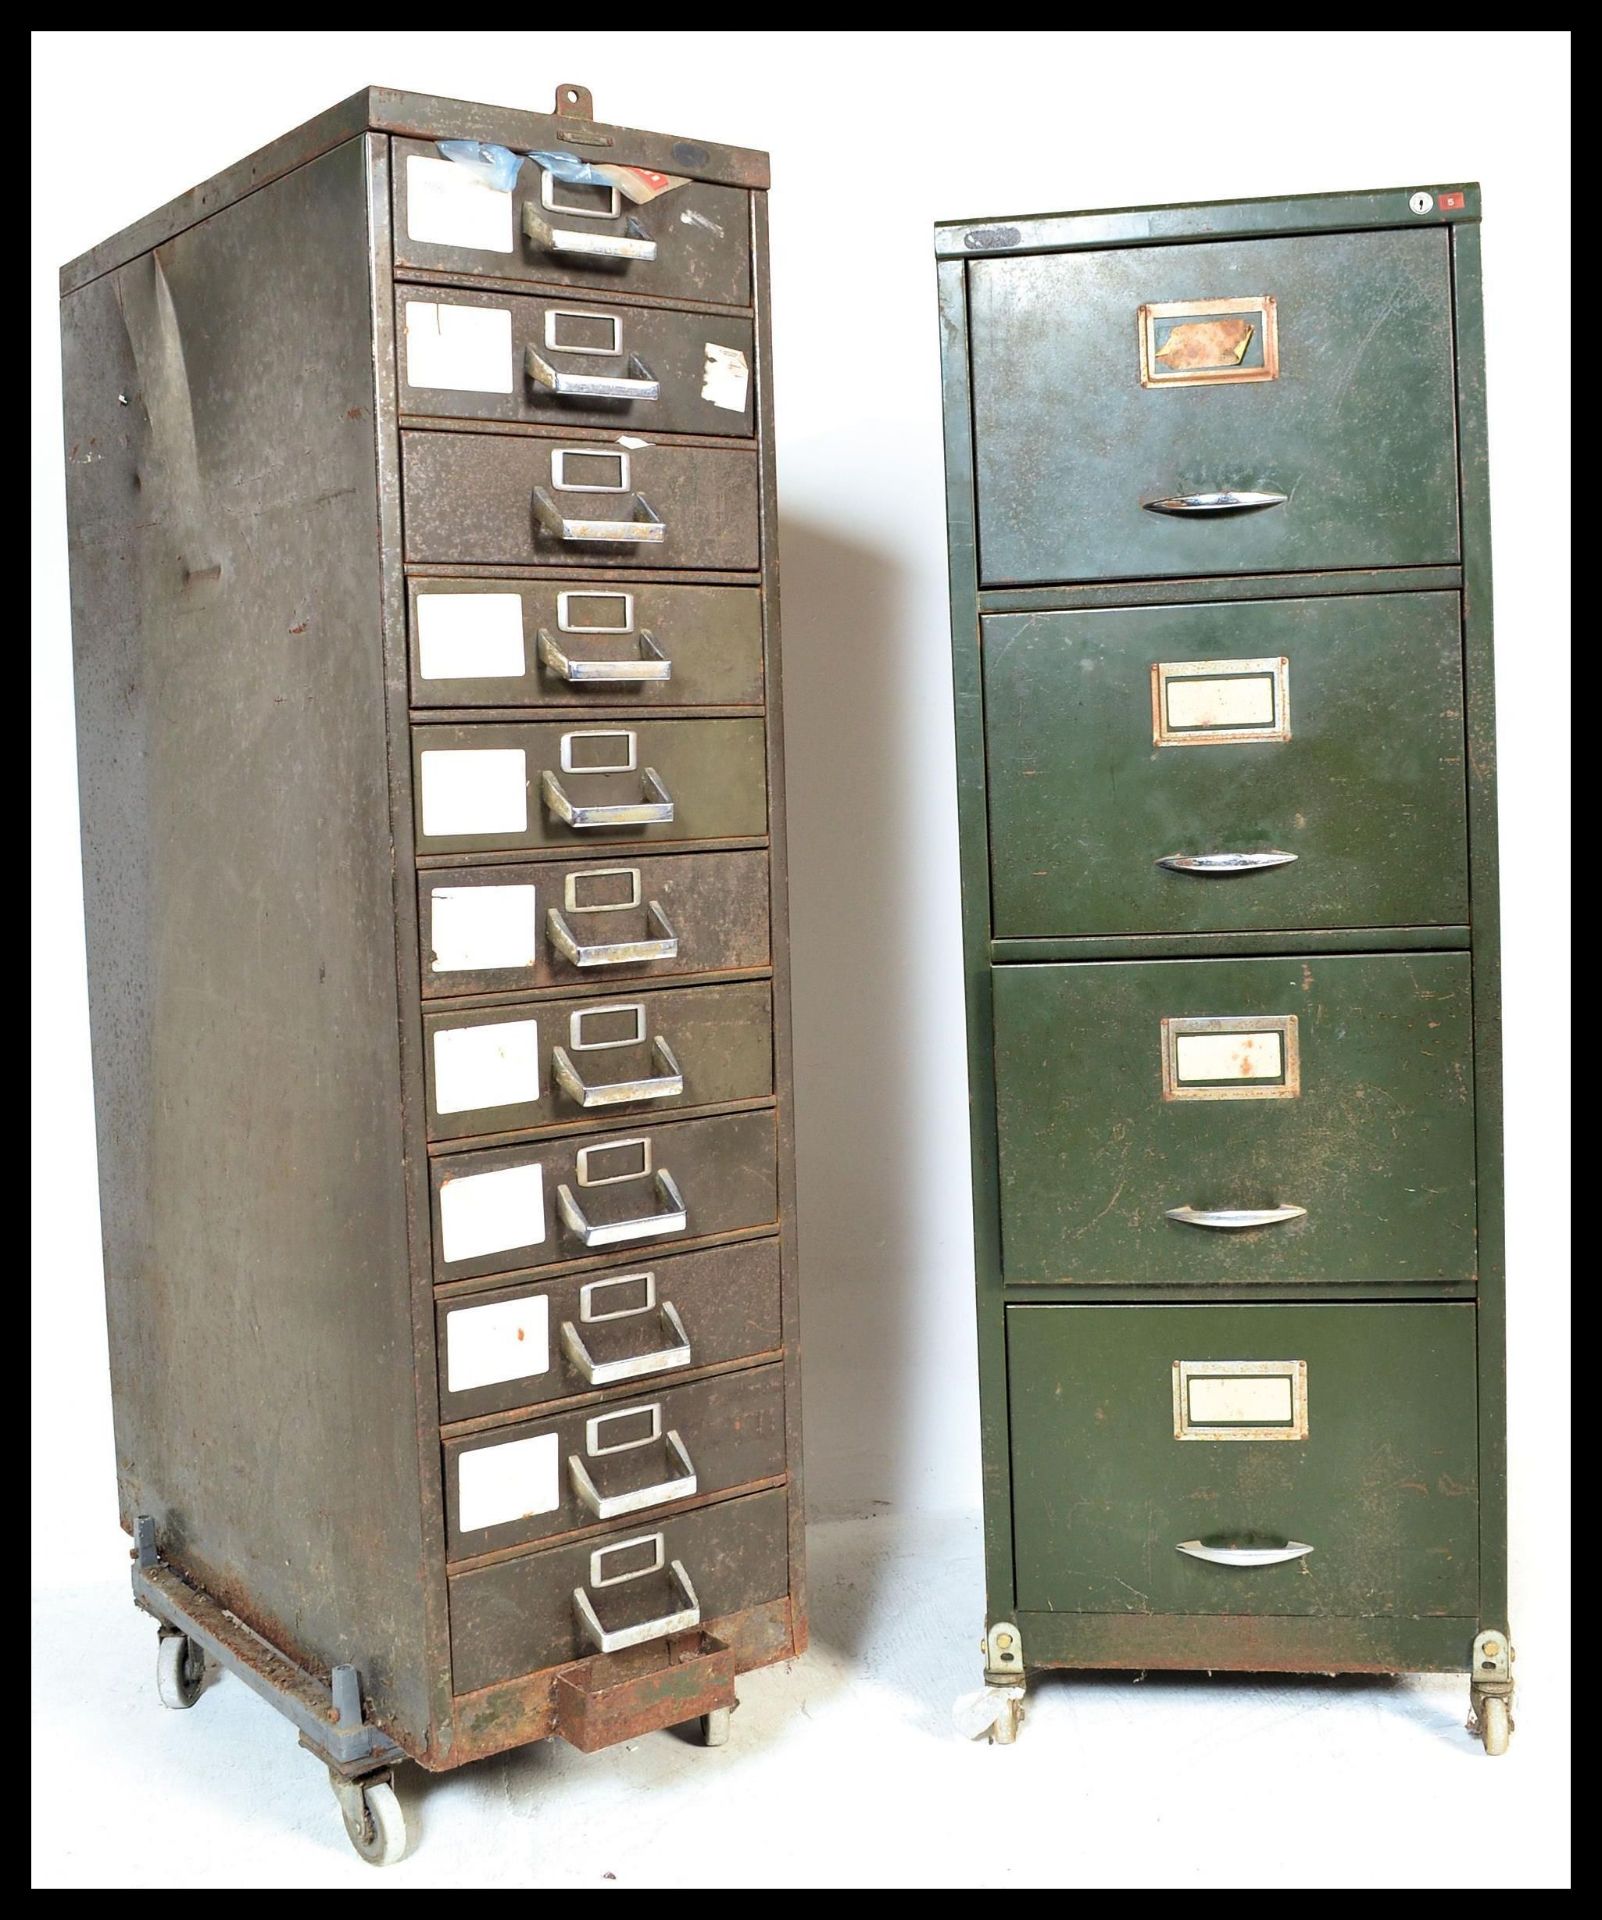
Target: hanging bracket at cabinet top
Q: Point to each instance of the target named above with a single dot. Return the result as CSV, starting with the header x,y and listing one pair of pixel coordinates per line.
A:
x,y
575,103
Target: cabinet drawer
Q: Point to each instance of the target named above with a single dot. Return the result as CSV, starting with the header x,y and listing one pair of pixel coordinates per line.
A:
x,y
531,1206
483,788
1347,1429
519,1616
1130,1092
1338,397
550,643
617,1461
555,923
1329,730
699,234
636,1323
516,500
548,1063
564,362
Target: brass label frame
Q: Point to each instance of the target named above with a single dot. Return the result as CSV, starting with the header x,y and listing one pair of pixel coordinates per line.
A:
x,y
1185,1371
1287,1087
1276,670
1154,374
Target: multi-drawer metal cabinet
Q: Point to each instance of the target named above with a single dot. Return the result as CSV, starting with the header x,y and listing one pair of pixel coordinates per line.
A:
x,y
1221,631
426,642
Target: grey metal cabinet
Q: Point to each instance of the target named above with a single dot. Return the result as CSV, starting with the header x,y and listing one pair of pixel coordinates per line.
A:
x,y
425,629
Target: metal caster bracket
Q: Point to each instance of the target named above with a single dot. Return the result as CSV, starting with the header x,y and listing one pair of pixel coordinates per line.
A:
x,y
1491,1690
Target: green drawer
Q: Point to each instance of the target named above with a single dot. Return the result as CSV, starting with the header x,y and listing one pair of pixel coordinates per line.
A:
x,y
1330,730
1363,1447
1115,1107
1357,431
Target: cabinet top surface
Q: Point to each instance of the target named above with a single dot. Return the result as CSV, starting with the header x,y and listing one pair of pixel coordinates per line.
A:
x,y
1448,203
424,116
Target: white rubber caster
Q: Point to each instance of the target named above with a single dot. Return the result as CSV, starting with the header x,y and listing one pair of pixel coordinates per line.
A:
x,y
180,1671
373,1818
1495,1724
715,1727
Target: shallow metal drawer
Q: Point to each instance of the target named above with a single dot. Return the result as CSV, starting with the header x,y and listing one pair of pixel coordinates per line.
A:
x,y
544,1064
509,1208
548,643
691,243
573,362
559,923
521,1615
1302,1459
640,1322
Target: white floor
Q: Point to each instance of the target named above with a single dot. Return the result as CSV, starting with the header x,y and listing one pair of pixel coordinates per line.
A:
x,y
843,1770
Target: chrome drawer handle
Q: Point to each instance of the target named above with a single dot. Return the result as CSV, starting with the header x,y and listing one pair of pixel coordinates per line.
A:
x,y
641,385
688,1615
616,953
607,1373
657,812
598,246
674,1217
652,665
667,1085
645,529
1234,1219
615,1506
1209,865
1227,502
1245,1556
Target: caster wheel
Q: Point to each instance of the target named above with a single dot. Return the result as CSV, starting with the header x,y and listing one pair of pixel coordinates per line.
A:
x,y
180,1670
1496,1723
374,1820
715,1727
1004,1729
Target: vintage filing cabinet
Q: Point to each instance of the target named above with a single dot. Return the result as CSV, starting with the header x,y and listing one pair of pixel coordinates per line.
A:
x,y
1221,629
433,820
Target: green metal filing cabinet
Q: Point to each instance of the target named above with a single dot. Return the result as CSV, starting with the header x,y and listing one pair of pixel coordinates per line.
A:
x,y
425,623
1221,632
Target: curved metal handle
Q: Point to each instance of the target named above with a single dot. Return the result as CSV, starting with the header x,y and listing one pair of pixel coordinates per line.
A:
x,y
1245,1556
1234,1219
632,813
641,383
652,665
615,1505
616,953
645,529
1228,501
607,1373
597,246
611,1233
1210,865
667,1085
687,1616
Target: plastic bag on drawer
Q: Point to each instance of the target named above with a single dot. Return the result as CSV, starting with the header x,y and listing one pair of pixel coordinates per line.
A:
x,y
496,167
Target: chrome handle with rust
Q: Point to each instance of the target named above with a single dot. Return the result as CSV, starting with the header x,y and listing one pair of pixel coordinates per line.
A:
x,y
652,664
667,1085
645,529
606,1373
1228,501
614,1506
1244,1556
651,812
687,1615
615,953
1234,1219
632,245
673,1218
1211,865
639,384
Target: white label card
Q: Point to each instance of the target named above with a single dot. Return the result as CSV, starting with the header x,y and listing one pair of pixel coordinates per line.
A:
x,y
480,929
513,1481
1229,1056
506,1340
482,1213
1262,1399
465,349
494,1065
1219,700
474,790
726,378
470,636
447,207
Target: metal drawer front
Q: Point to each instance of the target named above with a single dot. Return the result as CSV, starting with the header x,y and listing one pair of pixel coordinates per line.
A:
x,y
699,234
509,1208
644,1449
554,923
488,788
518,1616
1350,450
542,643
572,362
1145,1106
511,499
544,1064
1312,749
639,1322
1327,1464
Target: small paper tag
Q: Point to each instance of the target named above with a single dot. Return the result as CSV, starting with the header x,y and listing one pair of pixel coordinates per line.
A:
x,y
447,207
460,349
1450,203
727,378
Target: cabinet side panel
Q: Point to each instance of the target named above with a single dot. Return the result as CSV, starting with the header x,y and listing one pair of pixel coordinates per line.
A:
x,y
237,861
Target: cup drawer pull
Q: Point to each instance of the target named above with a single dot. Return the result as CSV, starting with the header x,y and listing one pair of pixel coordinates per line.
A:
x,y
635,1499
643,528
632,245
663,943
667,1085
1229,501
655,810
673,1218
606,1373
1210,865
638,384
1245,1556
688,1615
651,664
1234,1219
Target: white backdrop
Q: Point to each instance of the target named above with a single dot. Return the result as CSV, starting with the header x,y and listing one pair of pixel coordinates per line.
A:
x,y
873,137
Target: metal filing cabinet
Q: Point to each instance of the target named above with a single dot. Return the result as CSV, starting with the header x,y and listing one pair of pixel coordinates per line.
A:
x,y
1221,628
433,820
